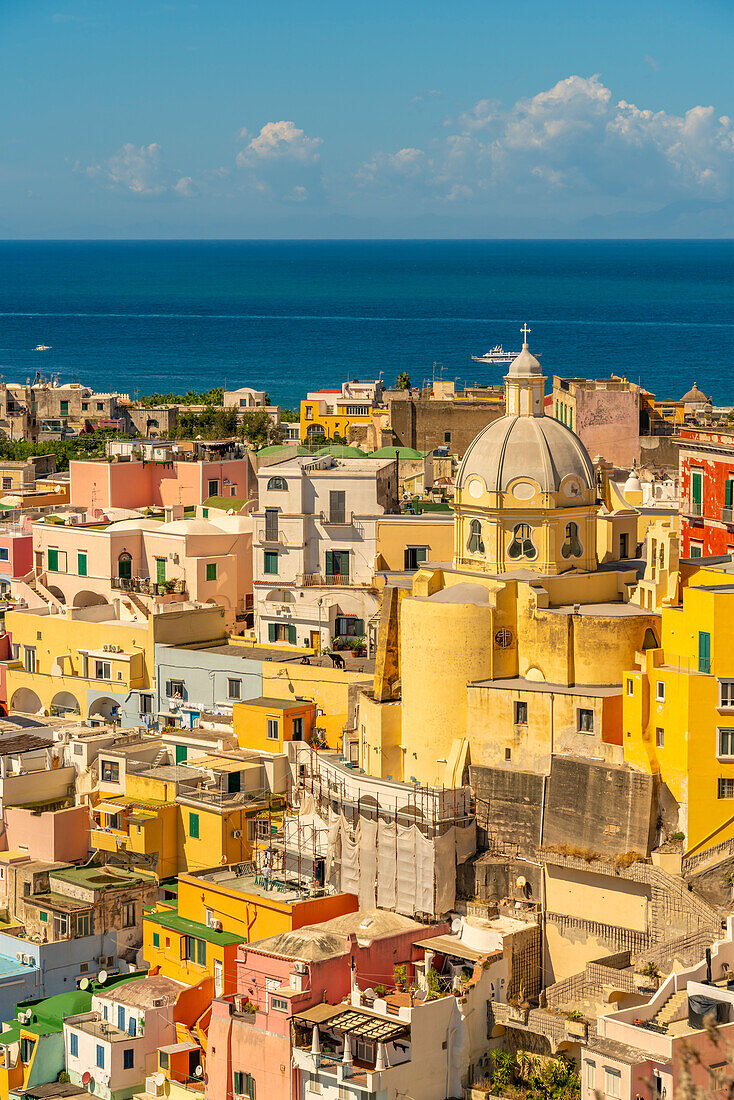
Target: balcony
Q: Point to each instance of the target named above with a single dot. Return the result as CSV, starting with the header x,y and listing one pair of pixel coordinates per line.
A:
x,y
271,536
337,518
147,587
109,840
727,515
692,508
330,580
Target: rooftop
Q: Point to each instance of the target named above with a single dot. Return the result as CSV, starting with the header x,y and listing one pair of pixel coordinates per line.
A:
x,y
519,683
268,702
169,918
145,992
329,939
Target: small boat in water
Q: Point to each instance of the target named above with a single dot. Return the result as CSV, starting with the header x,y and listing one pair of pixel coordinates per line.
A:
x,y
497,354
42,347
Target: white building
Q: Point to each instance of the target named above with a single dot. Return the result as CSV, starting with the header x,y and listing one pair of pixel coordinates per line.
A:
x,y
245,399
116,1044
314,548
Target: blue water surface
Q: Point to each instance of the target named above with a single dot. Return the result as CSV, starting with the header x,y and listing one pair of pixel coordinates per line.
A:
x,y
288,316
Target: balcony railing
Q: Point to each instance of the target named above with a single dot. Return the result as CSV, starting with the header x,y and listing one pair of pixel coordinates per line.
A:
x,y
327,580
272,535
148,587
337,518
693,507
727,515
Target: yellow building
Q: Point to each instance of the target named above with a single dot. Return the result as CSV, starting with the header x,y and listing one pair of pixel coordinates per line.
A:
x,y
331,413
406,542
523,608
220,908
267,725
679,709
92,661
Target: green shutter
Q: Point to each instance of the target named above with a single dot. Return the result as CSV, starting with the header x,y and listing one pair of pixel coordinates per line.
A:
x,y
53,561
160,570
292,634
271,632
359,628
729,493
211,571
81,564
194,826
181,751
704,651
330,563
697,486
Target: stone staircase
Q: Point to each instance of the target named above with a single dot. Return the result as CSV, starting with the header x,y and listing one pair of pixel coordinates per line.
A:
x,y
670,1010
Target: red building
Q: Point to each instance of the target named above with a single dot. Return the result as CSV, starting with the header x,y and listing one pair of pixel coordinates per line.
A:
x,y
706,483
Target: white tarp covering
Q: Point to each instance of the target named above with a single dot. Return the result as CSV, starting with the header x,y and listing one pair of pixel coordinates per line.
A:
x,y
386,864
350,858
405,877
445,870
367,863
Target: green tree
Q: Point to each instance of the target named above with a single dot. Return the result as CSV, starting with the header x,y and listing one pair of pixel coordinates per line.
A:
x,y
402,382
257,428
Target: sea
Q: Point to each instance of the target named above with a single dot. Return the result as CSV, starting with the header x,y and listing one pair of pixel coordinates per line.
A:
x,y
290,316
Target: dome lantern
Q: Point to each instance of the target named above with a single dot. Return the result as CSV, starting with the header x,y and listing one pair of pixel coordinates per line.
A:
x,y
525,383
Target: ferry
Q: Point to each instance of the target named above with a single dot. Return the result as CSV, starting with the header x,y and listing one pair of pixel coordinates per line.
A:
x,y
42,347
496,355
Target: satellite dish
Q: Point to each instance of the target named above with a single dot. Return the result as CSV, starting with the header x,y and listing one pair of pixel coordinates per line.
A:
x,y
102,977
199,1071
84,983
91,1086
86,1078
369,992
521,882
456,925
159,1079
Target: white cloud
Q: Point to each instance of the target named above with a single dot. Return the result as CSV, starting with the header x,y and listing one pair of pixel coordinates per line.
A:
x,y
277,141
282,162
139,169
569,143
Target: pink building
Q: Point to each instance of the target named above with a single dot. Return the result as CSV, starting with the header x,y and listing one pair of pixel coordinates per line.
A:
x,y
140,484
16,552
279,977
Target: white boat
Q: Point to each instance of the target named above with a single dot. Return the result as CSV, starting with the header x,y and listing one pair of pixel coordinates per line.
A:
x,y
42,347
495,355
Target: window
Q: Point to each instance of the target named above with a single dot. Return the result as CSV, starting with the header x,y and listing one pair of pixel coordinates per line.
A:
x,y
277,483
100,1056
85,406
213,487
280,1004
128,1058
726,741
297,729
128,914
590,1074
102,670
282,632
244,1084
718,1076
100,406
160,570
586,720
110,771
270,563
309,412
725,788
4,553
7,483
125,566
475,544
273,729
194,826
81,564
521,713
696,550
84,924
195,950
624,545
704,651
660,691
271,524
630,687
64,408
415,556
56,561
175,689
348,626
659,737
365,1050
447,437
726,694
522,545
182,753
612,1083
26,1049
156,939
234,689
146,703
29,658
508,754
337,566
132,1026
572,548
211,570
74,1044
337,506
121,1017
43,916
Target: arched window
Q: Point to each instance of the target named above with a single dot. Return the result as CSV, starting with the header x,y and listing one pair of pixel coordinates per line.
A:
x,y
522,545
475,544
572,548
277,483
125,566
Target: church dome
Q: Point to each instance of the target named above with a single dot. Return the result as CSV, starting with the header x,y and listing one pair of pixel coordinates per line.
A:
x,y
695,395
536,447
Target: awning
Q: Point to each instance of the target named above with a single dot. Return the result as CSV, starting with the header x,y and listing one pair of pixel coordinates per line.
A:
x,y
109,807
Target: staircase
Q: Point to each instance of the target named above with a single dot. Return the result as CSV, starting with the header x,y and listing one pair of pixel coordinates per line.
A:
x,y
161,758
671,1009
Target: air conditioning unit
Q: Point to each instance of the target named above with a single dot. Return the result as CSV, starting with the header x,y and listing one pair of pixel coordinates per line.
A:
x,y
300,967
159,1002
173,557
152,1087
236,834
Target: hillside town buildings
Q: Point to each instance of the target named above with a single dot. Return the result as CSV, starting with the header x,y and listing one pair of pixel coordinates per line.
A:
x,y
392,759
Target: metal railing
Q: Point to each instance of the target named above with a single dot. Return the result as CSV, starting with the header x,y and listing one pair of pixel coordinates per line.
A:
x,y
337,518
693,507
148,587
727,515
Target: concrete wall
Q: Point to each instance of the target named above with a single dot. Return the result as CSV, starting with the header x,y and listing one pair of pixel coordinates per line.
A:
x,y
205,674
61,836
422,423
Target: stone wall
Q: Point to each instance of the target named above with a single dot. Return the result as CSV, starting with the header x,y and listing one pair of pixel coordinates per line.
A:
x,y
508,808
422,423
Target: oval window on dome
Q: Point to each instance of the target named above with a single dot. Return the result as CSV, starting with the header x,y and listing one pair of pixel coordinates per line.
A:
x,y
524,490
475,487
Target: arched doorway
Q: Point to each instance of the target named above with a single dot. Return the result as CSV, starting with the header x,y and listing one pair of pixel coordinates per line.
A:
x,y
88,599
104,709
25,701
56,592
64,703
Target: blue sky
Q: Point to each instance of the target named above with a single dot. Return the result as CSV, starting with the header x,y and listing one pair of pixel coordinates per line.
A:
x,y
136,118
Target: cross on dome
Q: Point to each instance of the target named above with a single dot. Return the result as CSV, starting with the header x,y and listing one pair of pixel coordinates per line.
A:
x,y
525,330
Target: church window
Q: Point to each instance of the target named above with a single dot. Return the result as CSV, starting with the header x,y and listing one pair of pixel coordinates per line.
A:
x,y
522,543
475,544
572,548
521,713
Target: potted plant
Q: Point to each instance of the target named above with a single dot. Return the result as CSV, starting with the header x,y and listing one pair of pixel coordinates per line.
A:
x,y
401,976
576,1026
